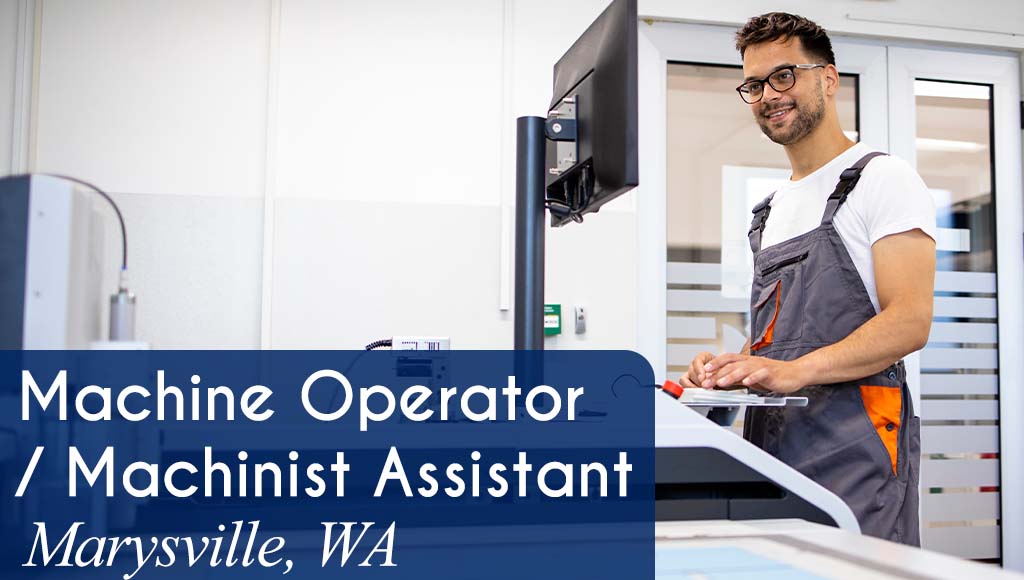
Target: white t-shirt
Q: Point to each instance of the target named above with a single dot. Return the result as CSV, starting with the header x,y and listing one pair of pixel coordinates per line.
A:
x,y
890,198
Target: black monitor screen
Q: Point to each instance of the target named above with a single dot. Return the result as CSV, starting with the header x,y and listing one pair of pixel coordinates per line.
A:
x,y
595,84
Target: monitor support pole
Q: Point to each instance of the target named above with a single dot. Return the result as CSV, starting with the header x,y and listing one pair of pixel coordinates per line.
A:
x,y
529,242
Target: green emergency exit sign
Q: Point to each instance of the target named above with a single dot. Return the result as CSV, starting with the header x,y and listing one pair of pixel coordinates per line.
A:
x,y
552,319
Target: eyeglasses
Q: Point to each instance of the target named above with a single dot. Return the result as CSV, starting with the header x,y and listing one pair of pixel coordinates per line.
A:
x,y
781,80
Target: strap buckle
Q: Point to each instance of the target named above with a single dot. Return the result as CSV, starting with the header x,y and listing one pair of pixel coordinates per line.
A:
x,y
760,218
849,173
847,181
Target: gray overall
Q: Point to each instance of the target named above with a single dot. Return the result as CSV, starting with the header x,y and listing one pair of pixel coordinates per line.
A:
x,y
859,439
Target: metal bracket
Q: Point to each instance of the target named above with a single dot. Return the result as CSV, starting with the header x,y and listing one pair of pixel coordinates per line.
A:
x,y
557,129
560,127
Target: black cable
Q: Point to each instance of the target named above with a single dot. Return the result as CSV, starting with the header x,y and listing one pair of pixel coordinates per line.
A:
x,y
577,215
372,346
575,201
104,195
557,206
635,380
379,344
581,198
589,191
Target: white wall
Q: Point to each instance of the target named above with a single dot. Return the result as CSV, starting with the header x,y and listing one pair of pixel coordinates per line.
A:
x,y
318,173
8,56
390,101
165,104
147,96
388,156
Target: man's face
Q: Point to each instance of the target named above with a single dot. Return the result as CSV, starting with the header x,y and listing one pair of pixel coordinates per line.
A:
x,y
785,117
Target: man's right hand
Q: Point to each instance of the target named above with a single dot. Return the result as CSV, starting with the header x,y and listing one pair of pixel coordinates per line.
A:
x,y
695,375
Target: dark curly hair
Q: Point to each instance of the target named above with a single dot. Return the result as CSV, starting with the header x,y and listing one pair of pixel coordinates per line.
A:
x,y
780,25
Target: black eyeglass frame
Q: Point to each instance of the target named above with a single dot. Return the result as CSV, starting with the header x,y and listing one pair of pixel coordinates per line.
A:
x,y
791,68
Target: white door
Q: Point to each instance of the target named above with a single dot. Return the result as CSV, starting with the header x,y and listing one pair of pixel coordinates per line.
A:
x,y
955,116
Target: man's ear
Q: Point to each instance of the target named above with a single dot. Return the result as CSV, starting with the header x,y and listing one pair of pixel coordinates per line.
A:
x,y
831,79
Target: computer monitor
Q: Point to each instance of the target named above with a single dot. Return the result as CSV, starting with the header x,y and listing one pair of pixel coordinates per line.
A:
x,y
591,155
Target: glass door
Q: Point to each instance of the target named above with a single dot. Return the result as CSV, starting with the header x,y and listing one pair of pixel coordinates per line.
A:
x,y
955,115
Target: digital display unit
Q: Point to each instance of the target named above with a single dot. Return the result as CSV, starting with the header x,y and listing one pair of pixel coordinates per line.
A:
x,y
591,130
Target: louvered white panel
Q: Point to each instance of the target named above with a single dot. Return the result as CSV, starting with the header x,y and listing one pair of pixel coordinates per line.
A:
x,y
965,282
691,273
697,273
682,354
959,439
692,327
704,301
940,384
952,239
959,358
959,410
975,543
960,507
964,332
946,306
959,473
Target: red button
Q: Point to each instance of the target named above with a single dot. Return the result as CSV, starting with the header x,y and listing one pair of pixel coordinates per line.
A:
x,y
672,388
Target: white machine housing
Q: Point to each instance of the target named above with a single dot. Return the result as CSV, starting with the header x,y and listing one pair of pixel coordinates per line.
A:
x,y
681,429
56,249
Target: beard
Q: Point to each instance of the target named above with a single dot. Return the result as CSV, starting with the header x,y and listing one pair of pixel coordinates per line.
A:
x,y
805,118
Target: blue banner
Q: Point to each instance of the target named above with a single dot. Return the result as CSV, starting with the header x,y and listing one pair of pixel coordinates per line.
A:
x,y
377,464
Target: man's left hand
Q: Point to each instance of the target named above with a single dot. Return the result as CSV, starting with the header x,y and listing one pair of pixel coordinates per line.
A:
x,y
755,372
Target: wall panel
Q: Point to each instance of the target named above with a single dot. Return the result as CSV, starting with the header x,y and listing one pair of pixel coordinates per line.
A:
x,y
8,68
147,96
390,101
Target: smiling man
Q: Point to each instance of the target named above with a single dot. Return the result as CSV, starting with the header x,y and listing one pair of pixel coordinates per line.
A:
x,y
844,268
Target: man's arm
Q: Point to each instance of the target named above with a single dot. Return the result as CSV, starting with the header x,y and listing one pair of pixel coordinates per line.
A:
x,y
905,279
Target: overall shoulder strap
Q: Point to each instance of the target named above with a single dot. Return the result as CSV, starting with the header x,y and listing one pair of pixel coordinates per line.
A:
x,y
847,181
761,211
